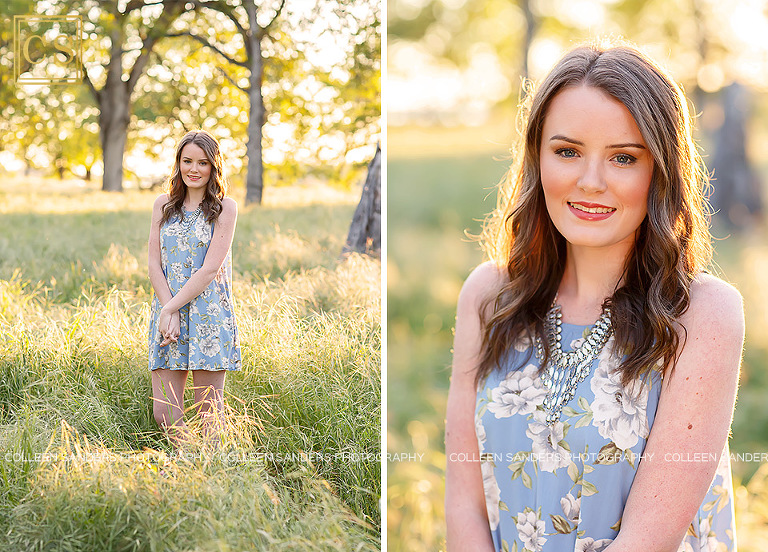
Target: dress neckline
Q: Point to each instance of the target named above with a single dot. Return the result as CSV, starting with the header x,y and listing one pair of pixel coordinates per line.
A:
x,y
580,326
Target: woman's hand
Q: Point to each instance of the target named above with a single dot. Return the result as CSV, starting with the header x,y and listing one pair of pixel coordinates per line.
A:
x,y
170,326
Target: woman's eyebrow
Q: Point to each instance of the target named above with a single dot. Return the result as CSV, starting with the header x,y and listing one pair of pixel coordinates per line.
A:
x,y
201,159
566,139
612,146
627,145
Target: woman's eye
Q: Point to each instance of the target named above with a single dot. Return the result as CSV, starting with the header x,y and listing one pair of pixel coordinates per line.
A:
x,y
566,152
624,159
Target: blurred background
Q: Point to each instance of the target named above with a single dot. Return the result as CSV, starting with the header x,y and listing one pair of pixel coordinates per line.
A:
x,y
454,70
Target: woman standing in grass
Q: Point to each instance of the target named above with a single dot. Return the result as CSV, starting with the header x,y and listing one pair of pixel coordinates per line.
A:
x,y
192,325
595,362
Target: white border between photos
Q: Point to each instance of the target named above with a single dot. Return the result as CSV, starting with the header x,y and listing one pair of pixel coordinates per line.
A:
x,y
383,57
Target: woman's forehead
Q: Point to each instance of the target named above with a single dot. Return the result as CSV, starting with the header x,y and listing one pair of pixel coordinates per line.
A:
x,y
193,151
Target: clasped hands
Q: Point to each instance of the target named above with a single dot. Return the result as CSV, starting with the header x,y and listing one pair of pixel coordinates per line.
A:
x,y
169,325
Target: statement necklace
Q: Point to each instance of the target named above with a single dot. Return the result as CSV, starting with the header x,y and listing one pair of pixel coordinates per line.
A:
x,y
565,371
188,219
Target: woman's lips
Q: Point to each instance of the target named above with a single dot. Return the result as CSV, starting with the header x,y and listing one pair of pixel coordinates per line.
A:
x,y
590,211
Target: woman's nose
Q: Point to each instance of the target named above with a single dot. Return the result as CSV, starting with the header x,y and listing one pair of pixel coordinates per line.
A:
x,y
592,179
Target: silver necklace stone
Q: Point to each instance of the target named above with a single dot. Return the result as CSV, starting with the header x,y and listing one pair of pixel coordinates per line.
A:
x,y
565,371
188,219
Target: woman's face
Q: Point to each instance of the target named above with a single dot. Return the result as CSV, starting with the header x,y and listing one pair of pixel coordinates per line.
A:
x,y
595,168
195,166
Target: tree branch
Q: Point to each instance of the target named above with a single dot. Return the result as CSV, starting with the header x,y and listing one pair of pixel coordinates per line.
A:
x,y
89,83
171,10
226,9
132,5
229,11
205,42
141,61
279,10
246,90
138,4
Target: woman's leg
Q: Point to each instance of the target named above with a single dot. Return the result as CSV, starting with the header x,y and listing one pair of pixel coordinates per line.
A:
x,y
209,401
168,402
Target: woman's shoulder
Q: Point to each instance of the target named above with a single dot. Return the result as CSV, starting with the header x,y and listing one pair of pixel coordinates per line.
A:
x,y
161,201
716,308
485,281
228,204
710,293
228,209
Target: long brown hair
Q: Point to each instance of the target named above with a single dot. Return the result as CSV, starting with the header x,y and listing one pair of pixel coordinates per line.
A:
x,y
673,241
216,188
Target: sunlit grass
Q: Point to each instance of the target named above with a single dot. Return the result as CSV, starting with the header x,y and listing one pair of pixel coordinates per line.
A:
x,y
431,201
87,496
73,362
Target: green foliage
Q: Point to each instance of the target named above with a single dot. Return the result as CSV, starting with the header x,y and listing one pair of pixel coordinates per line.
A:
x,y
74,384
322,96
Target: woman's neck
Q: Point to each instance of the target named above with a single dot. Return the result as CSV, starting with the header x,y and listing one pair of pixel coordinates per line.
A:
x,y
193,199
591,275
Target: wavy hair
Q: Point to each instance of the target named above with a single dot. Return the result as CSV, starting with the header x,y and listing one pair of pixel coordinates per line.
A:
x,y
672,243
216,188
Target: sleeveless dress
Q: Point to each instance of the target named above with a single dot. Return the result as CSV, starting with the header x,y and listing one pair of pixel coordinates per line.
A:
x,y
208,338
563,488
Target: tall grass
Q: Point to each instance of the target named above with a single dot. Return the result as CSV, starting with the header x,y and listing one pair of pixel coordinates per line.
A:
x,y
83,465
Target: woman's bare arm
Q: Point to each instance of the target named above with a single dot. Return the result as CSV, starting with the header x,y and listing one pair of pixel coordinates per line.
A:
x,y
465,510
156,275
692,423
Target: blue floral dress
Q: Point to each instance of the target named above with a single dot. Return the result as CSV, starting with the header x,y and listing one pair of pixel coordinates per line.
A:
x,y
563,487
208,338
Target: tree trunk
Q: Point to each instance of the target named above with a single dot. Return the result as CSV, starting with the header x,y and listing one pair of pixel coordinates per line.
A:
x,y
702,41
530,33
254,179
365,231
736,196
114,116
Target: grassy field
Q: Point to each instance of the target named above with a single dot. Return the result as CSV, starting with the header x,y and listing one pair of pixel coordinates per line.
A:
x,y
83,465
433,201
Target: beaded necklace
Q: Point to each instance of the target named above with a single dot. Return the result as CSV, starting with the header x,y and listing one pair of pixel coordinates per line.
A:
x,y
565,371
188,219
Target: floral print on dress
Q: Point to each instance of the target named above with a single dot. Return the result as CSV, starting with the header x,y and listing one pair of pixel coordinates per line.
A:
x,y
530,528
563,487
520,393
571,508
548,442
618,413
208,338
591,545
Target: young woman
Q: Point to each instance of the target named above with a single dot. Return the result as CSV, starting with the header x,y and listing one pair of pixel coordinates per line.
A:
x,y
595,361
192,326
